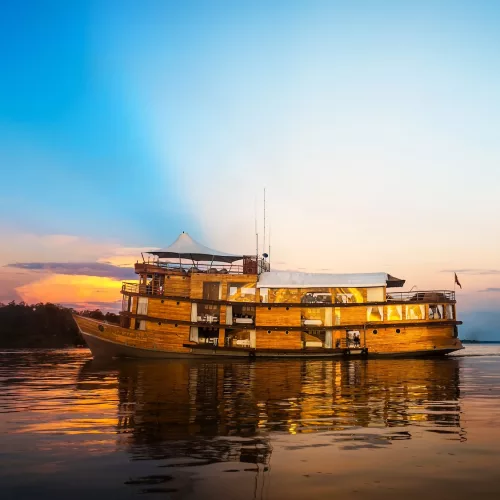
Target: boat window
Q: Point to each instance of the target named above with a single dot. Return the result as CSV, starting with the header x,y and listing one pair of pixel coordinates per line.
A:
x,y
436,311
348,295
316,316
207,313
241,292
449,311
317,298
375,313
211,290
284,295
394,313
415,311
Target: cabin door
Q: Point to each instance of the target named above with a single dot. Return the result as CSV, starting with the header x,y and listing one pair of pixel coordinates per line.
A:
x,y
211,291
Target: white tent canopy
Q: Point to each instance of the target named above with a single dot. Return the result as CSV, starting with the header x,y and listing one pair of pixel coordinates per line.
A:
x,y
184,247
287,279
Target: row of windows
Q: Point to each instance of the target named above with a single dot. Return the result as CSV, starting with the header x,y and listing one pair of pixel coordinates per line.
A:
x,y
247,292
411,312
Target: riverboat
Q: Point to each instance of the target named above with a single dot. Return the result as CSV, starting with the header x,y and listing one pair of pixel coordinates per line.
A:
x,y
191,301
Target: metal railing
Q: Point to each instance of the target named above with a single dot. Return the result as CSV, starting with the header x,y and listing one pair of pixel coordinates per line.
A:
x,y
250,267
430,296
421,296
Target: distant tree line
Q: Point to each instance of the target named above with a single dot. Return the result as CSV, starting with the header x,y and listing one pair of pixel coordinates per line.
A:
x,y
43,325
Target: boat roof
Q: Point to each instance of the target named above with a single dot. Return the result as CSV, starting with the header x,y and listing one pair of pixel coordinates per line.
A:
x,y
292,279
184,247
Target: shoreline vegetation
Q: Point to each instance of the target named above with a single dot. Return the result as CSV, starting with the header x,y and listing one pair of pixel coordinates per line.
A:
x,y
44,325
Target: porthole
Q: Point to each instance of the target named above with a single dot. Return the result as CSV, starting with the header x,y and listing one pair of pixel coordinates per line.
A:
x,y
159,323
101,328
162,301
268,308
286,333
287,308
268,332
375,332
176,325
168,277
398,330
178,303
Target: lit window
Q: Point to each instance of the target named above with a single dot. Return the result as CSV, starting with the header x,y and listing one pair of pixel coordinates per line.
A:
x,y
436,311
394,313
415,311
449,311
375,313
241,292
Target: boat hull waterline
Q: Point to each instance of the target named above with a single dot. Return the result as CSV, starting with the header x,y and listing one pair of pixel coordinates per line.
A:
x,y
102,347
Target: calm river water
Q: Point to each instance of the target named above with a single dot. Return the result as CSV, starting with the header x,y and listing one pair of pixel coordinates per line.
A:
x,y
74,428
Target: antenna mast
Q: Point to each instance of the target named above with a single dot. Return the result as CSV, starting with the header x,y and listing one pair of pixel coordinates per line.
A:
x,y
264,243
269,247
256,233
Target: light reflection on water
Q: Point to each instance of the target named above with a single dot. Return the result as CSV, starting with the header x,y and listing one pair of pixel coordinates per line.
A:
x,y
238,429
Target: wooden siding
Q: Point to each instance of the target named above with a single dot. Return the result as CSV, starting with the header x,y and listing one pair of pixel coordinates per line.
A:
x,y
278,316
169,309
177,286
414,338
278,340
167,337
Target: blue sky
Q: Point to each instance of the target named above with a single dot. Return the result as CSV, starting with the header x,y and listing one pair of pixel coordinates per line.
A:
x,y
374,126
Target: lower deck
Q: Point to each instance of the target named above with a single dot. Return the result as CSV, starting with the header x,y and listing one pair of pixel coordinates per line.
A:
x,y
114,341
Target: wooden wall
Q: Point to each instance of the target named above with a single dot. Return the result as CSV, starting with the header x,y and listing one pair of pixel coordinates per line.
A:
x,y
168,337
278,316
412,338
169,309
156,336
177,286
278,340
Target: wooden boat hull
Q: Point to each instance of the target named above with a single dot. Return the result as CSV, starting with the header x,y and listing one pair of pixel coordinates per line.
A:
x,y
106,340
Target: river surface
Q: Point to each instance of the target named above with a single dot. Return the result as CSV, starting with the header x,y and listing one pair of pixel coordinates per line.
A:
x,y
74,428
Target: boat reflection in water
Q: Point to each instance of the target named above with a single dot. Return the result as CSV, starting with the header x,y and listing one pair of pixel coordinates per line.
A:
x,y
213,417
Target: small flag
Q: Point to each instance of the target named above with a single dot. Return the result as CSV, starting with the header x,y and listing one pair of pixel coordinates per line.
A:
x,y
456,281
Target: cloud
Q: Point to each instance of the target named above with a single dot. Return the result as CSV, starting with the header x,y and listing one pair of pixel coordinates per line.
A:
x,y
99,269
475,272
490,290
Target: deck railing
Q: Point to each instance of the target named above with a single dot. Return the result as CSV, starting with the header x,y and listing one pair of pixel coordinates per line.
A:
x,y
154,288
250,267
421,296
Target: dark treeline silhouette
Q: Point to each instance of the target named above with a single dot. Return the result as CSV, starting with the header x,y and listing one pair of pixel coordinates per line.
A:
x,y
43,325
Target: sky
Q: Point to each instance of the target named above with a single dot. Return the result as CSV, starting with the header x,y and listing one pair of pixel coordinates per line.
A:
x,y
373,125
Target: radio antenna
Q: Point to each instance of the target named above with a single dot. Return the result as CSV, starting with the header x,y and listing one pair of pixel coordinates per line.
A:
x,y
256,231
269,246
264,243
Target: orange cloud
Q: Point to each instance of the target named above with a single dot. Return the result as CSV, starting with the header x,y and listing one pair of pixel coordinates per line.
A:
x,y
61,288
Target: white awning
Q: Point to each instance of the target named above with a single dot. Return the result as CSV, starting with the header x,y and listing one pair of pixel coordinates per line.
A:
x,y
184,247
286,279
